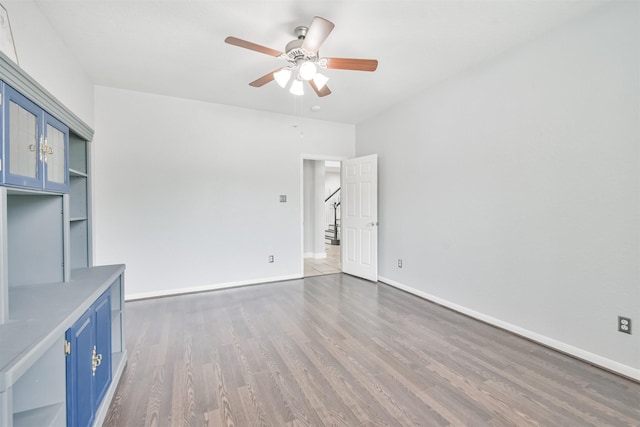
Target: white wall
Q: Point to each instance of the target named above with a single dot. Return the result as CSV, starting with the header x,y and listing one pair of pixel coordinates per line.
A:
x,y
187,193
511,192
319,218
309,196
331,182
47,59
314,224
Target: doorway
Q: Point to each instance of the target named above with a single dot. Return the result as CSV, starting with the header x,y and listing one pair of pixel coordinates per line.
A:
x,y
322,234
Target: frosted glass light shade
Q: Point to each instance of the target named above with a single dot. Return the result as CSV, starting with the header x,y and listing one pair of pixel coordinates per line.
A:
x,y
282,77
320,80
296,88
307,70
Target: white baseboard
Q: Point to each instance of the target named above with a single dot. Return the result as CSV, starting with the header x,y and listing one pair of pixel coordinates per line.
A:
x,y
579,353
180,291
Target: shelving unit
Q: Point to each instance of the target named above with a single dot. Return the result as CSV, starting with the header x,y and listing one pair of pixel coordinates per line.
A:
x,y
32,364
47,277
79,215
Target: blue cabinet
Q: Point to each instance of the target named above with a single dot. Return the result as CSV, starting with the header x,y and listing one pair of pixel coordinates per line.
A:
x,y
102,310
35,145
80,339
88,362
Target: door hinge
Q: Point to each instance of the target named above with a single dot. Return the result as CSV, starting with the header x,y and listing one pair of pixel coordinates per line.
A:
x,y
67,347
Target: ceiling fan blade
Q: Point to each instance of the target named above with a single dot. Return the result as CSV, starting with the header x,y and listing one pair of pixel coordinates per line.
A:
x,y
320,92
252,46
352,64
264,79
317,34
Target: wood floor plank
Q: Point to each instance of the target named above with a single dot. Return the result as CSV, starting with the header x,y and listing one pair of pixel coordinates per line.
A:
x,y
227,411
337,350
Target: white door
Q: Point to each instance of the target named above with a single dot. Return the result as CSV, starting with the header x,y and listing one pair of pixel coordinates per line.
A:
x,y
360,217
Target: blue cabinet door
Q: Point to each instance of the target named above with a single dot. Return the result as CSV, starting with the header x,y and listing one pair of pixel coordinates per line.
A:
x,y
22,121
56,154
102,378
80,395
35,151
89,362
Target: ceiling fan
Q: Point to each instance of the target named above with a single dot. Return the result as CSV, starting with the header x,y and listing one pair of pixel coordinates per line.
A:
x,y
304,59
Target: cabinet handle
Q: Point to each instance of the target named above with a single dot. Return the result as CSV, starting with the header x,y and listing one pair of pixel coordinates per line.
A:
x,y
45,149
96,361
32,147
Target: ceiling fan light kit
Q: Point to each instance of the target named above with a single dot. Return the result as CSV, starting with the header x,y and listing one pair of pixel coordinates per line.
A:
x,y
282,77
304,61
320,80
307,70
296,87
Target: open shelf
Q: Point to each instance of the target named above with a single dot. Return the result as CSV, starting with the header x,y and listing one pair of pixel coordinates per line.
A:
x,y
76,173
39,394
47,416
78,196
117,361
78,236
34,238
77,155
116,328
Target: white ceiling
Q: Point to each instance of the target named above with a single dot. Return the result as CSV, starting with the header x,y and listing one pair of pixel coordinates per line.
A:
x,y
177,47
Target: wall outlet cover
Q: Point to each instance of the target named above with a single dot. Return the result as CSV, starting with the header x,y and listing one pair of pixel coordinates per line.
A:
x,y
624,325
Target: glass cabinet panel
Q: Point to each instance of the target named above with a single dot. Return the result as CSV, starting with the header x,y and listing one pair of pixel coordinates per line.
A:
x,y
56,142
23,141
22,120
55,158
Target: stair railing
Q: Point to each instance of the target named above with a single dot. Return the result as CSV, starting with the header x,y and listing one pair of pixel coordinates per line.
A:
x,y
334,203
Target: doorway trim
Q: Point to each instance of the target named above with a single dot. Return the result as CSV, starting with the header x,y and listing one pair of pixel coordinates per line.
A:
x,y
304,157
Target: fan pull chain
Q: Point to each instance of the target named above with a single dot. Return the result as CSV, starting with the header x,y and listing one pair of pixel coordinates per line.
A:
x,y
298,114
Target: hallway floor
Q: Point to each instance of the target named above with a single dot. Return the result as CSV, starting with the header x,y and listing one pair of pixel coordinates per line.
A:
x,y
329,265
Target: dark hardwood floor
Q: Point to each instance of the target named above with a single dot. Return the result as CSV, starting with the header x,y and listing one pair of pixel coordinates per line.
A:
x,y
336,350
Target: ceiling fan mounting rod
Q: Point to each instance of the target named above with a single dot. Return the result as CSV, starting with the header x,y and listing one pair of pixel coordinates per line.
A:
x,y
301,32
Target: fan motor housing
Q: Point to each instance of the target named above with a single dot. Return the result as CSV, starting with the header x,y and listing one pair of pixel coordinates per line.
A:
x,y
294,52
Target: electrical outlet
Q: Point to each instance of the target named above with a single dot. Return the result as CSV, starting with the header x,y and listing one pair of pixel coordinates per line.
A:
x,y
399,263
270,258
624,325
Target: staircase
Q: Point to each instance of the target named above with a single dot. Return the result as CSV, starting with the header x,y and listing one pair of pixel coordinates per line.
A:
x,y
332,208
332,234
